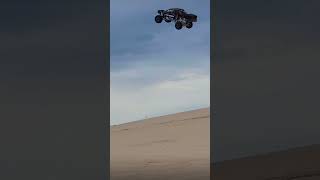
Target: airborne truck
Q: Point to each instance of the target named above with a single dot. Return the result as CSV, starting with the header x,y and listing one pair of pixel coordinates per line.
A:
x,y
177,15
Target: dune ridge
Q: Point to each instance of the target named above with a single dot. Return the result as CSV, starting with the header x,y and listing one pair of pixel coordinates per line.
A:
x,y
175,146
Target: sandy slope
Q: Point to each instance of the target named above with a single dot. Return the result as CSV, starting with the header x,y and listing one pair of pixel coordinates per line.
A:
x,y
168,147
294,164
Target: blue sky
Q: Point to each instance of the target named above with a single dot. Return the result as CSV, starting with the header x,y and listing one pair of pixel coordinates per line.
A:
x,y
156,69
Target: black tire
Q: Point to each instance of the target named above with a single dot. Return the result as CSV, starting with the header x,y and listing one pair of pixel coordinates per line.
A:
x,y
189,25
158,19
178,25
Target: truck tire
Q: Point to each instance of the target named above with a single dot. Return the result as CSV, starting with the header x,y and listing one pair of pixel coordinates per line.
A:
x,y
158,19
178,25
189,25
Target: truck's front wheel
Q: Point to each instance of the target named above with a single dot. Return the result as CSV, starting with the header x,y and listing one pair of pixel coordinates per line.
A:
x,y
189,25
178,25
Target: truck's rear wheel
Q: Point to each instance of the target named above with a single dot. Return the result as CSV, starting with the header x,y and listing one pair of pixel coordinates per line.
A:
x,y
189,25
158,19
178,25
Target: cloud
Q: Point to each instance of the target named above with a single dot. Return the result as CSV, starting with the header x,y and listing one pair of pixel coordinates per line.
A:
x,y
185,89
136,37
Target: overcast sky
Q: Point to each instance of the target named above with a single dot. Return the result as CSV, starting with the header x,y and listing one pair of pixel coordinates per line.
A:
x,y
156,69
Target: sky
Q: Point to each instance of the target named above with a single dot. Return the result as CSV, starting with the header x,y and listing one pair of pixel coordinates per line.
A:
x,y
156,69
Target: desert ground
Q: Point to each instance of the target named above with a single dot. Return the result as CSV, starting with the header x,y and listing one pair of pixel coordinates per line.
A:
x,y
301,163
171,147
177,146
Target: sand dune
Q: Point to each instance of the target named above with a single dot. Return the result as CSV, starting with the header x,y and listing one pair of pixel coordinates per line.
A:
x,y
169,147
294,164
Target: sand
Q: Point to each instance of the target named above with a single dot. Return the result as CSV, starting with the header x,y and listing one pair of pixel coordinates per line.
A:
x,y
301,163
169,147
177,147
